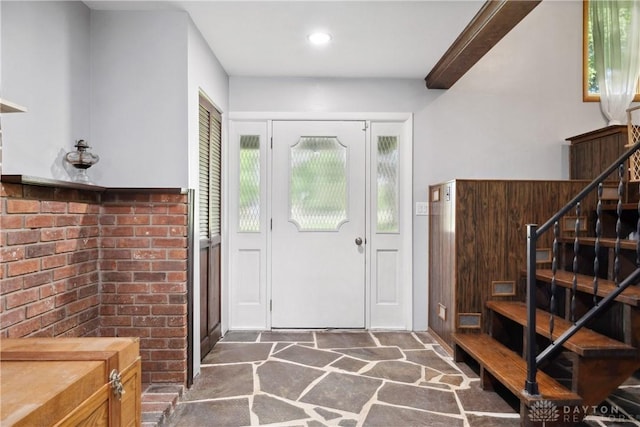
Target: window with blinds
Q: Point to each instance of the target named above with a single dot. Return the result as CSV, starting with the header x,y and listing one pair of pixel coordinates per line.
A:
x,y
210,147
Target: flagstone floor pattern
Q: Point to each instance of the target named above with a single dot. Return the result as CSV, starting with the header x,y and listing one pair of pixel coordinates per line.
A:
x,y
338,378
341,378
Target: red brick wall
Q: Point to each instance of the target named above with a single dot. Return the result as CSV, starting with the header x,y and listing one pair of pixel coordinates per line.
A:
x,y
143,271
93,263
49,280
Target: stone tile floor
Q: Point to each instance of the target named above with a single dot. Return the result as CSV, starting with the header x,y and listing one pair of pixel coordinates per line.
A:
x,y
347,379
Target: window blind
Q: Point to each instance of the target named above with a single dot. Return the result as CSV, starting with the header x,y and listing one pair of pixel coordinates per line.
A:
x,y
210,146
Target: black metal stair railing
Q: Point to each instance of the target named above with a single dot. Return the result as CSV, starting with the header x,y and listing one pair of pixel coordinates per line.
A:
x,y
534,233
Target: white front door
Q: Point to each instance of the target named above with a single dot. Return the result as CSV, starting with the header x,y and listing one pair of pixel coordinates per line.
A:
x,y
318,235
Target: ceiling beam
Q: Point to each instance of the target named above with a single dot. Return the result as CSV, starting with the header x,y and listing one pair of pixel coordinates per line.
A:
x,y
492,22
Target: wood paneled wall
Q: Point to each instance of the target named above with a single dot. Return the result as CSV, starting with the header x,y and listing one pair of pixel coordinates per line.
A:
x,y
477,235
591,153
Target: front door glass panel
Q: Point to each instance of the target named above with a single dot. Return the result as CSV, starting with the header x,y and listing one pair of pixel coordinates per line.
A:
x,y
387,184
249,184
318,184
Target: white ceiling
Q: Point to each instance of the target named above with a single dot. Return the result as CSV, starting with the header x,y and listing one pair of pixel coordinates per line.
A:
x,y
388,39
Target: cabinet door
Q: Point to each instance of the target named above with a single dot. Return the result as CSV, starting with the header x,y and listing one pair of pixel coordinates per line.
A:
x,y
131,402
92,412
580,161
447,311
441,263
592,153
210,223
609,149
435,249
104,408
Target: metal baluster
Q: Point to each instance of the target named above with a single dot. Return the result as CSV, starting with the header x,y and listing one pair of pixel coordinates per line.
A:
x,y
616,262
553,309
596,247
621,283
576,250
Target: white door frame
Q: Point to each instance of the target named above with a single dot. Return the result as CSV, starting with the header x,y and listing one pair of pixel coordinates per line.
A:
x,y
405,273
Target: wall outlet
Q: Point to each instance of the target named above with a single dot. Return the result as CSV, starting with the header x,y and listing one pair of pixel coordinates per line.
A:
x,y
422,208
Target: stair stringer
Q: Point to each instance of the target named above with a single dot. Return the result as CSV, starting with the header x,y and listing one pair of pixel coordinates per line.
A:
x,y
595,379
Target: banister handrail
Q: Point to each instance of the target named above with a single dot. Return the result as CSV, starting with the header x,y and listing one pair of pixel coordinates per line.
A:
x,y
589,188
588,316
534,232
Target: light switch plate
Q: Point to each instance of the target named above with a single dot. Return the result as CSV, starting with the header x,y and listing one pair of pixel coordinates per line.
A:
x,y
442,312
422,208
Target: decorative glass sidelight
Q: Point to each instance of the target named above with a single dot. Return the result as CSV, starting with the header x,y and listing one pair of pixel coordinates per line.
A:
x,y
249,184
318,184
387,184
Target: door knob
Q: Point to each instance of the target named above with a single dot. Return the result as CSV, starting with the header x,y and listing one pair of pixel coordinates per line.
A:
x,y
358,241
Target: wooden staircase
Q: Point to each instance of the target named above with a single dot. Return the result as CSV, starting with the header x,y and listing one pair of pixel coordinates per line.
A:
x,y
582,372
499,363
590,366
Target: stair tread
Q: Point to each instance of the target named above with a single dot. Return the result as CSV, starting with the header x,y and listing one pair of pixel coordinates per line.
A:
x,y
511,370
625,207
607,242
585,342
630,296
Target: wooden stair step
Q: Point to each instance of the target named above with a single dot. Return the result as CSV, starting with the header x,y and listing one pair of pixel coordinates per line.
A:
x,y
605,242
625,207
511,370
585,342
630,296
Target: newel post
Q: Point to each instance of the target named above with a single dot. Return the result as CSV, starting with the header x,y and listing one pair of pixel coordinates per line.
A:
x,y
531,385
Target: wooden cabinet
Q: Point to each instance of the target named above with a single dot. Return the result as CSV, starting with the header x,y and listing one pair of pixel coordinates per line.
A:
x,y
477,245
591,153
70,382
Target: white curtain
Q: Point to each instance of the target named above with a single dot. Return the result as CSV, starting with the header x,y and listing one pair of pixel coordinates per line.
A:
x,y
616,46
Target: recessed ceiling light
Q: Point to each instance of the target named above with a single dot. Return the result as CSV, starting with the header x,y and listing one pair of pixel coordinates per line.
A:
x,y
319,38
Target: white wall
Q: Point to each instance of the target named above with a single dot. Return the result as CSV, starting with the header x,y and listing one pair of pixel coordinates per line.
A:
x,y
507,117
126,81
117,79
45,68
139,98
